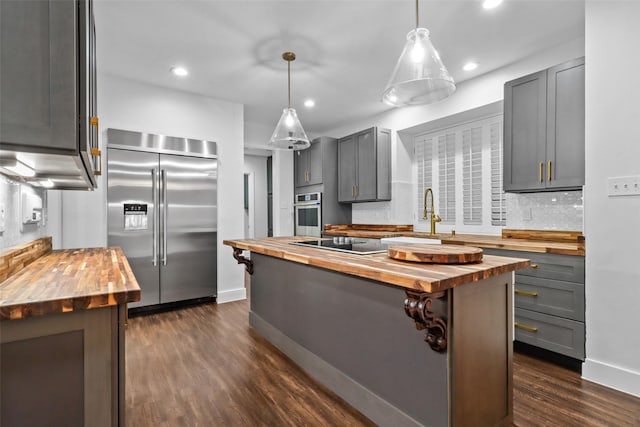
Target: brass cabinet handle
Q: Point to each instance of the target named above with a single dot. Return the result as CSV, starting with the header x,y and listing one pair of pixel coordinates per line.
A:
x,y
353,191
534,266
525,293
549,171
541,179
94,151
526,327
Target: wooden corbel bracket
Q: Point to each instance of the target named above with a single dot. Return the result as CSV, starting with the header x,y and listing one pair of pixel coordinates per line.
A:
x,y
417,306
248,265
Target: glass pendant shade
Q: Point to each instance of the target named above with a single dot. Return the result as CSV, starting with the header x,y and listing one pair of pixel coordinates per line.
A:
x,y
420,77
289,134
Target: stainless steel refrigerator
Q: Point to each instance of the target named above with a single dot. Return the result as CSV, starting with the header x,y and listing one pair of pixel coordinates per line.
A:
x,y
162,211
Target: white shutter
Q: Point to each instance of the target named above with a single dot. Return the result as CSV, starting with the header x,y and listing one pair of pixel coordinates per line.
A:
x,y
498,202
472,175
424,159
447,174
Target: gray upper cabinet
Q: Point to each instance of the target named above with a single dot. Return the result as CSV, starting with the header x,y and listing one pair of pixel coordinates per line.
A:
x,y
308,165
544,129
48,97
364,166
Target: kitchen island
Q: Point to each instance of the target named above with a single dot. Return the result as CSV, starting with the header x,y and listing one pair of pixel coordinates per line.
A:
x,y
62,319
343,318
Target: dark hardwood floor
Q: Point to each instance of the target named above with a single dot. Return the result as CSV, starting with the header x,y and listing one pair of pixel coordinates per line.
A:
x,y
204,366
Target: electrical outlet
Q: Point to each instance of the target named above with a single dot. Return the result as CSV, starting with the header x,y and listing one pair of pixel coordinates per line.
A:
x,y
2,217
623,186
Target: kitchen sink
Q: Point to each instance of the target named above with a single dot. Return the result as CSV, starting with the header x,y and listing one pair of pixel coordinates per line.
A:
x,y
406,239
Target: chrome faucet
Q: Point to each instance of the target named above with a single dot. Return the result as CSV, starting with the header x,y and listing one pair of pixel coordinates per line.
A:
x,y
434,218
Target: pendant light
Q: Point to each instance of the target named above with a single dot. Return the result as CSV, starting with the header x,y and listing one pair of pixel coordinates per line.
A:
x,y
289,134
420,77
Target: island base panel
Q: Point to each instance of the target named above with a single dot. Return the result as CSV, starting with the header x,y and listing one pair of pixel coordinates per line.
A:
x,y
353,335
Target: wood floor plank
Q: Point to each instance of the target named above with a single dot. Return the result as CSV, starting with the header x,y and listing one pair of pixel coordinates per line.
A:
x,y
204,366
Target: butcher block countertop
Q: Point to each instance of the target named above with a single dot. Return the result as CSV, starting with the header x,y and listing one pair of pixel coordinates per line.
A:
x,y
69,280
379,267
553,242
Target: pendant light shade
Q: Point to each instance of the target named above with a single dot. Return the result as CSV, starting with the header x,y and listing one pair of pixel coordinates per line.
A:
x,y
289,134
419,77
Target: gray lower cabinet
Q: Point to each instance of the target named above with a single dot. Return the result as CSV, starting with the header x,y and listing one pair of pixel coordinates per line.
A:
x,y
544,122
364,166
48,97
549,301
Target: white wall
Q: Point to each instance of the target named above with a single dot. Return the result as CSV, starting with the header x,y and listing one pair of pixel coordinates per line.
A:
x,y
612,225
256,166
470,94
12,231
282,193
126,104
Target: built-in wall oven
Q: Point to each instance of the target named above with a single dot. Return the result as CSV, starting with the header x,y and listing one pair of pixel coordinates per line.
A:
x,y
308,214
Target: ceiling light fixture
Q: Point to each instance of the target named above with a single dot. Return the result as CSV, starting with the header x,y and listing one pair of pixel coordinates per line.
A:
x,y
180,71
470,66
490,4
420,77
17,167
309,103
289,134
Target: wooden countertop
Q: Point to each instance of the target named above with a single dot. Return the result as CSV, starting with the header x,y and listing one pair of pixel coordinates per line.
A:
x,y
531,243
379,267
69,280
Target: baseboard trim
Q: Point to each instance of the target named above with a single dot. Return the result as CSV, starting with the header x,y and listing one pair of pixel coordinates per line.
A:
x,y
231,295
368,403
611,376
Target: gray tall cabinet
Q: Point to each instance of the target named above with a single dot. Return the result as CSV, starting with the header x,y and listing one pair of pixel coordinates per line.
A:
x,y
48,96
315,170
364,166
544,121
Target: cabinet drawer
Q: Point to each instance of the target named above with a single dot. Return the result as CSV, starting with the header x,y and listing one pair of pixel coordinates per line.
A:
x,y
550,332
558,298
569,268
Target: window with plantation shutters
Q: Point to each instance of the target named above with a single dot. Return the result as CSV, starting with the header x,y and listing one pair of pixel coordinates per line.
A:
x,y
447,175
498,203
463,166
424,168
472,175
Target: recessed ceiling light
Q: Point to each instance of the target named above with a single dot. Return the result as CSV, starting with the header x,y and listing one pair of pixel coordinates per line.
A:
x,y
309,103
470,66
490,4
180,71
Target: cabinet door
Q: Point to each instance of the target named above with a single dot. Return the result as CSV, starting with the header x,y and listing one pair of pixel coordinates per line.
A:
x,y
366,180
300,166
525,132
38,75
346,168
565,125
314,168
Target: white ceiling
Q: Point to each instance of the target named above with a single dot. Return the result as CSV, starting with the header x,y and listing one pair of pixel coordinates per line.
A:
x,y
346,49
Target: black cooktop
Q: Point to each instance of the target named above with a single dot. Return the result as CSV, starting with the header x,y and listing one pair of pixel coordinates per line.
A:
x,y
347,244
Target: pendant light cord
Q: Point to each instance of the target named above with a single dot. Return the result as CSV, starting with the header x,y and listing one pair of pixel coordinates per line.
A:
x,y
289,82
417,22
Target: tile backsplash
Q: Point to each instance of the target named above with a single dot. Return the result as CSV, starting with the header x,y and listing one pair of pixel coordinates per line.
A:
x,y
12,231
558,210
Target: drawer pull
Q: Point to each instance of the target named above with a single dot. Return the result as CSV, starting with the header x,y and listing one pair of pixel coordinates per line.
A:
x,y
525,293
534,266
526,327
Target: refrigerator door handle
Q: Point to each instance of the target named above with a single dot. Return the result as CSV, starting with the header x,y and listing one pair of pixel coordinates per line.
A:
x,y
163,174
154,194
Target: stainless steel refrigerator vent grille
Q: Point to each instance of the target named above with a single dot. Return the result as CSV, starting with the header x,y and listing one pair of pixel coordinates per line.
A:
x,y
140,141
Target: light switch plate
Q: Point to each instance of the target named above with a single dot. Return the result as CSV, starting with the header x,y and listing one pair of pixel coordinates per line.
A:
x,y
623,186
